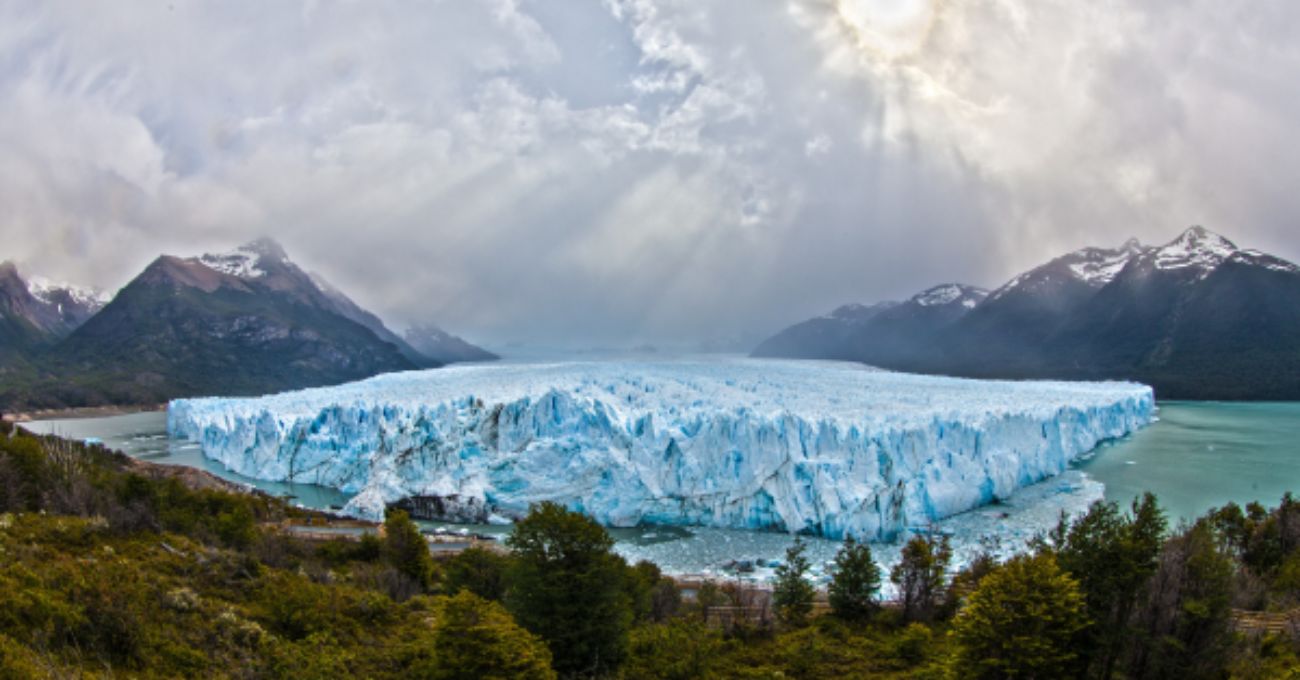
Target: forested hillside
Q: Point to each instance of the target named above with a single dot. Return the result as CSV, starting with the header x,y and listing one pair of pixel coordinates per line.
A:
x,y
110,568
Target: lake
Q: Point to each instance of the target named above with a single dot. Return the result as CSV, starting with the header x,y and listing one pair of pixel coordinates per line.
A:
x,y
1201,455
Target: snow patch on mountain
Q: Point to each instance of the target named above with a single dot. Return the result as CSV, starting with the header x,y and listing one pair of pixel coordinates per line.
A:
x,y
1260,259
240,264
829,448
1095,267
948,293
45,290
245,261
1197,248
1099,266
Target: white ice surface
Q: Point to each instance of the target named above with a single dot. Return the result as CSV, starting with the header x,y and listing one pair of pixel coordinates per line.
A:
x,y
823,447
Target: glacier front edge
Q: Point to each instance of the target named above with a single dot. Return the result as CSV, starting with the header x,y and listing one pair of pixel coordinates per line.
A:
x,y
827,448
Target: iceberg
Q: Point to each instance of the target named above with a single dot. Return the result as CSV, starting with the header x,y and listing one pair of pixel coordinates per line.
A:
x,y
823,448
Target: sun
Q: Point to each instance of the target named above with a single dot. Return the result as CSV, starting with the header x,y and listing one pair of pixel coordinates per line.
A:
x,y
892,29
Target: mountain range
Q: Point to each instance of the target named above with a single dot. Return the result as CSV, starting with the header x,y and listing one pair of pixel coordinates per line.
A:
x,y
245,322
1196,318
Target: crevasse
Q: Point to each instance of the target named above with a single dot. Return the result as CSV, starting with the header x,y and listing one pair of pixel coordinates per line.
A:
x,y
827,448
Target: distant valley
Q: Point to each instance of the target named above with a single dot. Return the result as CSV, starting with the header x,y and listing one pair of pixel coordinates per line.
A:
x,y
1196,318
245,322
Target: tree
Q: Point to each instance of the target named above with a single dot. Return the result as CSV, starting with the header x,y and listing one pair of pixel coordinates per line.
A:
x,y
854,582
478,570
665,600
654,597
406,550
476,638
919,575
1184,622
1260,539
1112,556
966,580
709,596
568,587
792,594
1020,622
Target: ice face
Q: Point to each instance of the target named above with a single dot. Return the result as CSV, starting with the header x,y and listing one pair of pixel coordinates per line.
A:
x,y
821,447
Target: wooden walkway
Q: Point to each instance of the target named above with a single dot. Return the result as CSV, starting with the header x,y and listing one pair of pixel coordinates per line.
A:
x,y
727,617
1259,623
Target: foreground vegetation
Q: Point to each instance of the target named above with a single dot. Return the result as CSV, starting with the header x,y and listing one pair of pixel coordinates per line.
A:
x,y
107,570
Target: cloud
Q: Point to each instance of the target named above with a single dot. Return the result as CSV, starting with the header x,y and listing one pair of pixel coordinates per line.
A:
x,y
659,170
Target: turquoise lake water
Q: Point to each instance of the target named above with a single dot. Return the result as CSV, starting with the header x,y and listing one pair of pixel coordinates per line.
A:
x,y
1201,455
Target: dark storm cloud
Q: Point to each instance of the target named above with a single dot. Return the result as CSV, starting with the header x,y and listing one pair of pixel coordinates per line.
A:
x,y
666,171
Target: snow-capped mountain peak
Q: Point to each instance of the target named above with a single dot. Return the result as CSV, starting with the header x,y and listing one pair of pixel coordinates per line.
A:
x,y
948,293
47,291
1260,259
1099,266
1197,248
1093,266
245,261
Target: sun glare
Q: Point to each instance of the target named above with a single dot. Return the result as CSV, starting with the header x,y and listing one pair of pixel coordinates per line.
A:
x,y
892,29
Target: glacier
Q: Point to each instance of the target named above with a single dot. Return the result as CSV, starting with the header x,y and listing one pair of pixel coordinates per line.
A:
x,y
825,448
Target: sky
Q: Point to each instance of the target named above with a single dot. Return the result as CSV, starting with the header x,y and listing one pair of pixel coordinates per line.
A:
x,y
598,173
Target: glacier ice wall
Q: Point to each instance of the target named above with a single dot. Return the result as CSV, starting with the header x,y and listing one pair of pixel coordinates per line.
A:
x,y
824,447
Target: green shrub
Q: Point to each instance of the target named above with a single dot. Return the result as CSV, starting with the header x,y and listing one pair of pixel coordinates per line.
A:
x,y
18,662
479,571
1021,622
476,638
680,650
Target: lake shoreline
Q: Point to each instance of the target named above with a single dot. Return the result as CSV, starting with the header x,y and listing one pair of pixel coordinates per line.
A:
x,y
81,412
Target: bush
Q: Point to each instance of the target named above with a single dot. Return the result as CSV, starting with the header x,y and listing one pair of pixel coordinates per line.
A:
x,y
680,650
476,638
18,662
1021,622
479,571
914,643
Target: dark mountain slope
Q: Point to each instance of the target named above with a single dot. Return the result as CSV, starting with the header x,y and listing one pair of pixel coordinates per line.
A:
x,y
1011,326
22,325
443,347
1197,318
227,325
909,336
1228,331
345,307
825,337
